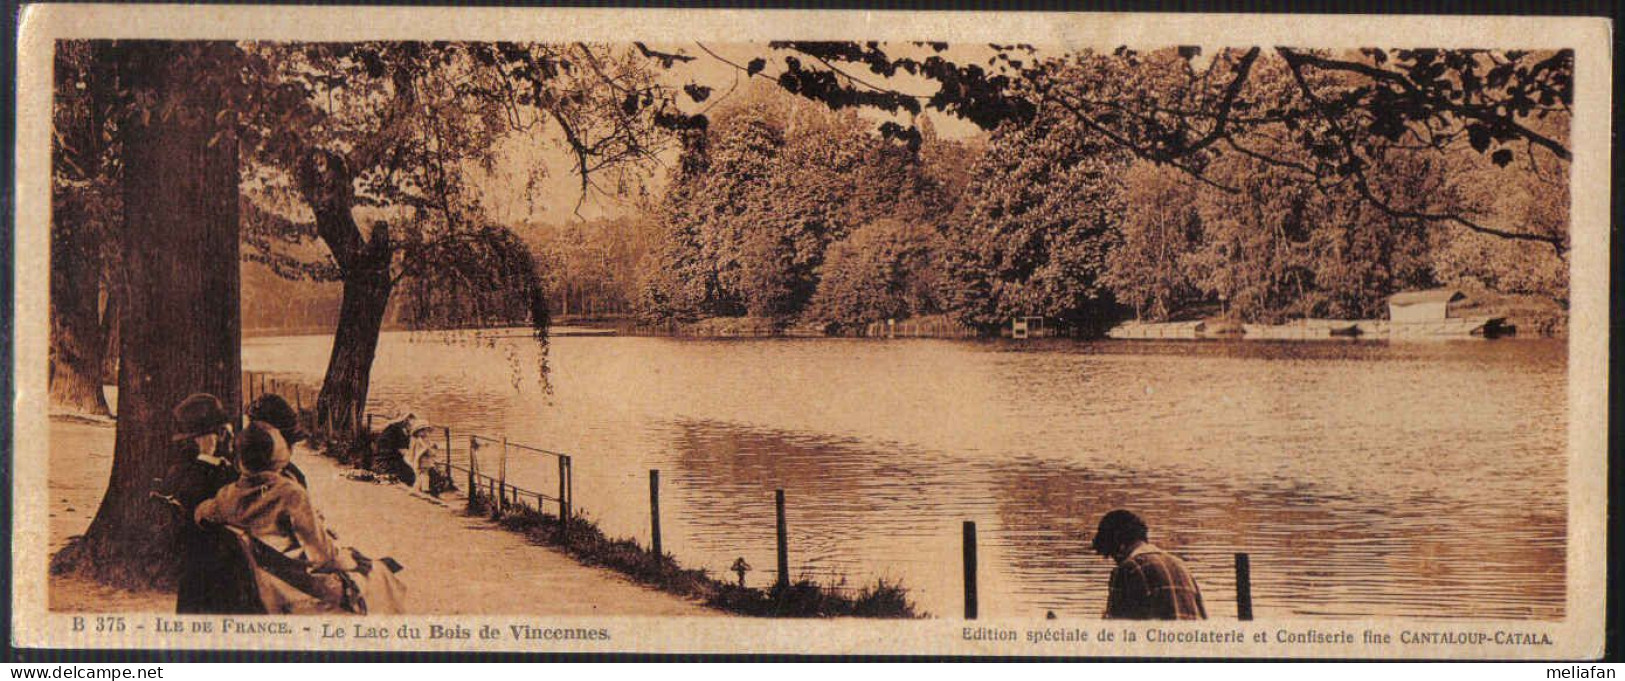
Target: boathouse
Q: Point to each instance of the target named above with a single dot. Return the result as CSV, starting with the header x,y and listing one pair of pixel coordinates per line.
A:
x,y
1441,313
1433,305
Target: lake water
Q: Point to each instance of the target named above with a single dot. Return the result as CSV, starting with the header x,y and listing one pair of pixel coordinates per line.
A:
x,y
1365,479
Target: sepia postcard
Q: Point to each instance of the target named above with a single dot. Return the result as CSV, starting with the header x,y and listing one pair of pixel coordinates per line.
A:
x,y
816,332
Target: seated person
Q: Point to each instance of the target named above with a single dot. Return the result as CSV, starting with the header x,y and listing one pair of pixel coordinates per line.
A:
x,y
213,576
391,448
431,473
276,412
276,511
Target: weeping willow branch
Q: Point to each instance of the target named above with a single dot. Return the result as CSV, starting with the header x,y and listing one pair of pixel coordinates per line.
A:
x,y
478,278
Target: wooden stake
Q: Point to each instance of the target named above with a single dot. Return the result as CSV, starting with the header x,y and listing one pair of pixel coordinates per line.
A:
x,y
502,478
654,510
1244,587
564,498
473,491
784,540
970,570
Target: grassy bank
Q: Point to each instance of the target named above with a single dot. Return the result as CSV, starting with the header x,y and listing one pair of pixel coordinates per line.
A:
x,y
588,544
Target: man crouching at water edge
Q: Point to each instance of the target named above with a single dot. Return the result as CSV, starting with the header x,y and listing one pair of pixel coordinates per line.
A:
x,y
1148,583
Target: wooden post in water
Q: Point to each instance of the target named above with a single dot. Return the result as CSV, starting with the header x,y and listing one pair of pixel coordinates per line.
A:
x,y
369,424
784,540
1244,587
970,570
564,498
654,510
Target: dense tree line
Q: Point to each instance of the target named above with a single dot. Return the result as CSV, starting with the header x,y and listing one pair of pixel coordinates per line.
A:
x,y
760,198
591,268
802,215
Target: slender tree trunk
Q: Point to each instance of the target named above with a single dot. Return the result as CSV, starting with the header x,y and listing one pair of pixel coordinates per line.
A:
x,y
343,399
76,339
181,330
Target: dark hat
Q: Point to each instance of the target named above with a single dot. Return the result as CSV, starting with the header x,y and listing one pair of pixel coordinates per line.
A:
x,y
261,448
198,414
273,409
1117,529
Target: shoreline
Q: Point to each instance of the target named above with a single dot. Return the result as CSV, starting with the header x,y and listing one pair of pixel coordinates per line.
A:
x,y
581,540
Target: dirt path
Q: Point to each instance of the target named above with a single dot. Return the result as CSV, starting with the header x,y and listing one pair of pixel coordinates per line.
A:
x,y
454,564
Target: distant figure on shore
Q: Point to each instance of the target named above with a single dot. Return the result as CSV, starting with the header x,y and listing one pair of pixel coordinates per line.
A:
x,y
1148,583
431,474
301,566
214,579
391,449
275,411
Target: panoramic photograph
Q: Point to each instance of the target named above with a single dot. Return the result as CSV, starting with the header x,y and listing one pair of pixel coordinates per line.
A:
x,y
881,330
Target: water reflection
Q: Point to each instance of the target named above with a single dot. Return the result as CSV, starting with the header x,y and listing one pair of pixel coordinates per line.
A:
x,y
1363,478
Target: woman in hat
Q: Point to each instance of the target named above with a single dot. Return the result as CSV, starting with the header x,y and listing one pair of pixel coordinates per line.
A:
x,y
211,570
276,511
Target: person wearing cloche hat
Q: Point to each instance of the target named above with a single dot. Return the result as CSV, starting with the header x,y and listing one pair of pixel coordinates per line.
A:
x,y
207,561
274,410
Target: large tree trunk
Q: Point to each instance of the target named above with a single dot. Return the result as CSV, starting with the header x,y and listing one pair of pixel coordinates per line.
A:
x,y
325,181
180,317
76,338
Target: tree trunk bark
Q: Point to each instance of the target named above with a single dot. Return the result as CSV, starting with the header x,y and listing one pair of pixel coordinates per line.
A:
x,y
325,180
76,339
181,326
367,287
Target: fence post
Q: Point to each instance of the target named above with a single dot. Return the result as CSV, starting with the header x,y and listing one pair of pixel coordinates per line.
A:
x,y
448,453
970,570
298,400
502,478
784,541
564,497
473,490
654,510
369,424
562,501
1244,587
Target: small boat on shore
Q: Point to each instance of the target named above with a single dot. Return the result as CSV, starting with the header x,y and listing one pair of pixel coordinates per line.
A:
x,y
1440,314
